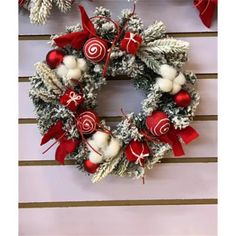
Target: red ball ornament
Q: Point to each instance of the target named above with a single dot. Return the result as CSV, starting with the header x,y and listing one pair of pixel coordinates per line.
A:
x,y
158,123
131,43
95,50
182,98
137,151
87,122
71,99
90,167
54,58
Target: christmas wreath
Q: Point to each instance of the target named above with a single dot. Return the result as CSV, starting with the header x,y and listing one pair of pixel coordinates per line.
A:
x,y
64,91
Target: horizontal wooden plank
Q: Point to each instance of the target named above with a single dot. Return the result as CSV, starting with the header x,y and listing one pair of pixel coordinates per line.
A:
x,y
164,160
120,221
170,34
119,93
204,146
152,202
199,76
184,14
200,60
165,181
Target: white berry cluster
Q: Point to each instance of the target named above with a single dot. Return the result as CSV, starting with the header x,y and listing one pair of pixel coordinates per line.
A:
x,y
71,70
104,144
170,81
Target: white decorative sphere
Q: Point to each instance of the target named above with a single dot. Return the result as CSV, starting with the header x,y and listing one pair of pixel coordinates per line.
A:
x,y
165,85
100,139
176,88
74,74
70,62
113,148
61,71
180,79
82,64
95,157
168,72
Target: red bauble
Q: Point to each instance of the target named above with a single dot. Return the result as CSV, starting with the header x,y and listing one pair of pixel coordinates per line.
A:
x,y
137,151
158,123
90,166
54,58
182,98
95,50
71,99
131,43
87,122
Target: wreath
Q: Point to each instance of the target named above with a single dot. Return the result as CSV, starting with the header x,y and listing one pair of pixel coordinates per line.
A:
x,y
64,91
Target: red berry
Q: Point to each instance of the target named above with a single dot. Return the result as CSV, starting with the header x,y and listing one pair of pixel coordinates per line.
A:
x,y
182,98
90,167
54,58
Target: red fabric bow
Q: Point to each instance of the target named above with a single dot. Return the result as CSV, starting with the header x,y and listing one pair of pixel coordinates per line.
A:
x,y
78,39
187,134
206,10
66,145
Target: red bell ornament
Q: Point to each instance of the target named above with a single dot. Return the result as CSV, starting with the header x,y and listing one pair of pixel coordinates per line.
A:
x,y
54,58
95,50
71,99
182,98
87,122
137,151
90,167
131,43
158,123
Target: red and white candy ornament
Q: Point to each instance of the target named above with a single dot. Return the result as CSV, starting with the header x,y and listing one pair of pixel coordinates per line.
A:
x,y
95,50
158,123
137,151
87,122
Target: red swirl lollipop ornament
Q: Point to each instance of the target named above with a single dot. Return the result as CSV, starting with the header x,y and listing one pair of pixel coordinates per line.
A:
x,y
87,122
95,50
158,123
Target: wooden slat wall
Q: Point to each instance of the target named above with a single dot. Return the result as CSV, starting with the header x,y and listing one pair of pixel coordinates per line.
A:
x,y
179,196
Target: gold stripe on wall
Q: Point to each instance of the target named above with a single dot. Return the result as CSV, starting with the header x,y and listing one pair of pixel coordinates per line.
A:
x,y
119,118
164,160
199,76
171,34
153,202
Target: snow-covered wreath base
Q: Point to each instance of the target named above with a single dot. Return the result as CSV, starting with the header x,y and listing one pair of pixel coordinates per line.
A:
x,y
65,86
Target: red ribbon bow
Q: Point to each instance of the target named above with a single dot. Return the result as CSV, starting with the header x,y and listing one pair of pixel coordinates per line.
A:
x,y
66,145
206,10
78,39
187,134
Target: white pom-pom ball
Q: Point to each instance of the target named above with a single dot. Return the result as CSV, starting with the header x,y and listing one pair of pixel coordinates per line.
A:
x,y
95,157
176,88
100,139
180,79
168,72
113,148
74,74
62,70
70,62
82,64
165,85
91,143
